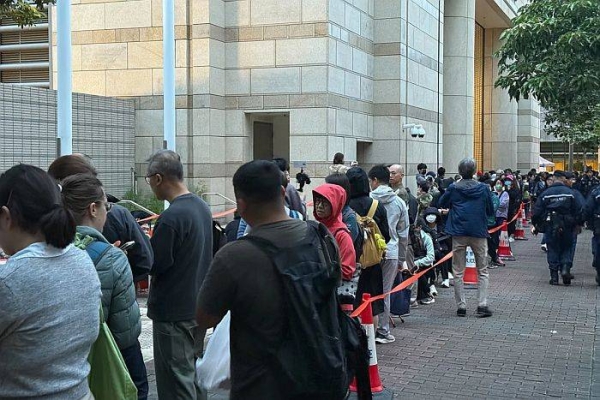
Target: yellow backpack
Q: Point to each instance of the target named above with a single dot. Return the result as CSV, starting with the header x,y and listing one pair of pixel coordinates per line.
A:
x,y
374,244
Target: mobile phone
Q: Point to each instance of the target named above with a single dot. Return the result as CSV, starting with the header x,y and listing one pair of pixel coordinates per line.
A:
x,y
127,245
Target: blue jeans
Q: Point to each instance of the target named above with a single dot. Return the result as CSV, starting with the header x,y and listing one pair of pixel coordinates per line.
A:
x,y
559,250
137,369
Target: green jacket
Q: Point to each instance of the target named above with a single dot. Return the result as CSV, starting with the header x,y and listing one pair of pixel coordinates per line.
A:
x,y
119,303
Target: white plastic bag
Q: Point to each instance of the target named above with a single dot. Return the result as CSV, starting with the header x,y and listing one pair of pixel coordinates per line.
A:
x,y
212,370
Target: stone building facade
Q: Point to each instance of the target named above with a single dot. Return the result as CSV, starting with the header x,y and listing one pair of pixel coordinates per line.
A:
x,y
304,79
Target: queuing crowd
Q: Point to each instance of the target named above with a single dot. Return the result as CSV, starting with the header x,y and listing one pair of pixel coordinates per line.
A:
x,y
86,254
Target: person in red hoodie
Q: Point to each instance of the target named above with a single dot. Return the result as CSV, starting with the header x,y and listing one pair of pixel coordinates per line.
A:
x,y
329,201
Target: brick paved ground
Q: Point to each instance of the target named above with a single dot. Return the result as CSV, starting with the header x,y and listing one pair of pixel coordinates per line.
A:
x,y
540,343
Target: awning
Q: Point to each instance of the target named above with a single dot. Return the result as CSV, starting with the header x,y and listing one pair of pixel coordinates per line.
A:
x,y
545,163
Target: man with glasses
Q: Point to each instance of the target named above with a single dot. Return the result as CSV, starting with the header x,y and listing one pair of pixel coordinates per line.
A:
x,y
182,244
396,176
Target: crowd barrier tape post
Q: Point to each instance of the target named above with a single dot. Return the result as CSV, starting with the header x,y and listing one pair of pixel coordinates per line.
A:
x,y
470,276
366,319
519,231
524,220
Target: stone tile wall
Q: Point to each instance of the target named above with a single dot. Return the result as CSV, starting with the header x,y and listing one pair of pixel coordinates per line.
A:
x,y
103,128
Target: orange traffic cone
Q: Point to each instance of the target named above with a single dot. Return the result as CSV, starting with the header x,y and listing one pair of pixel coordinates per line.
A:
x,y
504,251
524,220
519,231
470,276
366,318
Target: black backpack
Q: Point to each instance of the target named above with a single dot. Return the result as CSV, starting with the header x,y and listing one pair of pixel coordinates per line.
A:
x,y
219,237
321,347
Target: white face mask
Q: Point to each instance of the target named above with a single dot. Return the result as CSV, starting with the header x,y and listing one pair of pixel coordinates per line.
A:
x,y
431,218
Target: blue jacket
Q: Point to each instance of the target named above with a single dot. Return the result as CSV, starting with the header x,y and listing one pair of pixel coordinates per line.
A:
x,y
470,205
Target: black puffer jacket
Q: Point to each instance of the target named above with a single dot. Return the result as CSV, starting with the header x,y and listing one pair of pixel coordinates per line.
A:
x,y
361,202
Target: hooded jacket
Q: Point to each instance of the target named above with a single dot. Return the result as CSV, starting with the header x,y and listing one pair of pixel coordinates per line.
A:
x,y
470,204
119,304
397,214
336,196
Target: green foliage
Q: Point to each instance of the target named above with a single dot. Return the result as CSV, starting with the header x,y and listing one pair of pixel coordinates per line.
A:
x,y
23,12
552,52
144,199
148,200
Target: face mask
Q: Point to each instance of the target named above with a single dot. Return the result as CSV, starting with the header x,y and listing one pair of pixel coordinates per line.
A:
x,y
498,187
508,185
431,218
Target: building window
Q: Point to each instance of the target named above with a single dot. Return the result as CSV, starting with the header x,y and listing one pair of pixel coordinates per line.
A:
x,y
24,54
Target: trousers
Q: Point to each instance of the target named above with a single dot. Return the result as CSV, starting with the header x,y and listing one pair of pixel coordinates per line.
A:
x,y
459,260
177,345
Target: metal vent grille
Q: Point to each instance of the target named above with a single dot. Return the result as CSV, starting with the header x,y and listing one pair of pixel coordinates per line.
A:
x,y
24,54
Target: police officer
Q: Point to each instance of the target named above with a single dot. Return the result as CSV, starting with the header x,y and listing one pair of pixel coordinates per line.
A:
x,y
591,214
557,212
588,182
570,180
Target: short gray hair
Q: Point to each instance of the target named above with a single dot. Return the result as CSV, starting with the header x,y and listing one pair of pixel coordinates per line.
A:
x,y
166,163
467,167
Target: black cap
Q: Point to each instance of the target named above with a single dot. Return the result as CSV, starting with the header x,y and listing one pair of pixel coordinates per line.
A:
x,y
569,175
560,174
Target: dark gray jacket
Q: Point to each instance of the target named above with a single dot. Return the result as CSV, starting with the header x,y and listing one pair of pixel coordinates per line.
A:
x,y
119,304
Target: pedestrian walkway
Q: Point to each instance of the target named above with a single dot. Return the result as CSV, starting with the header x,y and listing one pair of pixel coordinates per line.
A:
x,y
540,342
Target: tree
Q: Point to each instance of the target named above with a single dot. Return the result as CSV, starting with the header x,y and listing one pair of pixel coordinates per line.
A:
x,y
552,53
24,12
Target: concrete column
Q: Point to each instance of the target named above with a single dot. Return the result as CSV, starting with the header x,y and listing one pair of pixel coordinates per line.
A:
x,y
528,134
459,61
500,113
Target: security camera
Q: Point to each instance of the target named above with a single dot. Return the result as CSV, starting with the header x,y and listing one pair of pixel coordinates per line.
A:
x,y
417,131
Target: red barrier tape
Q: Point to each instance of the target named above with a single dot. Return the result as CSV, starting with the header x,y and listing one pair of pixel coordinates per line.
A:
x,y
505,223
415,277
401,286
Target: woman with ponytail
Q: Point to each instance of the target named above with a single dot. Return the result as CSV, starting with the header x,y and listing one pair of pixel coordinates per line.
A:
x,y
49,292
84,196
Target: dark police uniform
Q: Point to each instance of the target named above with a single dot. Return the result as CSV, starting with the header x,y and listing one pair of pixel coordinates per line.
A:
x,y
591,214
557,211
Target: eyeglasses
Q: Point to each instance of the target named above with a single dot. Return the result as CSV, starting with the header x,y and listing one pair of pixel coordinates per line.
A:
x,y
107,205
149,177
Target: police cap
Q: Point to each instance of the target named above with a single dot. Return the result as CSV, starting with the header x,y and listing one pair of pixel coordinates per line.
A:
x,y
560,174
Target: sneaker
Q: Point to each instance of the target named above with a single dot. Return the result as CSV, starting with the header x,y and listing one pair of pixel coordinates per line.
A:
x,y
433,290
511,239
461,312
445,283
499,263
493,266
384,339
544,248
450,276
483,312
426,301
414,304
